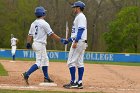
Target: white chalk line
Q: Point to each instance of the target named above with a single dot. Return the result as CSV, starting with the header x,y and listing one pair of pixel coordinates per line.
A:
x,y
41,85
119,89
8,86
17,86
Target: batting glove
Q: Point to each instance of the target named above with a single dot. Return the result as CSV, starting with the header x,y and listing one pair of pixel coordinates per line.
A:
x,y
64,41
70,39
28,46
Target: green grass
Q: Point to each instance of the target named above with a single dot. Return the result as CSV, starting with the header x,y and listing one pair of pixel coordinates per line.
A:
x,y
3,72
88,62
22,59
116,63
31,91
108,63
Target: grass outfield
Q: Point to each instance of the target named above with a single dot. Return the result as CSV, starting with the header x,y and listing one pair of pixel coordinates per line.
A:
x,y
3,72
88,62
31,91
117,63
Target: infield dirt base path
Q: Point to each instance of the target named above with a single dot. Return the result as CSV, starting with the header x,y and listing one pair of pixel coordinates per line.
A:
x,y
97,77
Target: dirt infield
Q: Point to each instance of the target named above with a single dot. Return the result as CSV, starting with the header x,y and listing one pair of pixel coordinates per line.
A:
x,y
97,78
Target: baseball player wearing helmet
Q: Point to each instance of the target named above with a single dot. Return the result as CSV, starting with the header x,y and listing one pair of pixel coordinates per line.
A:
x,y
14,41
38,32
79,44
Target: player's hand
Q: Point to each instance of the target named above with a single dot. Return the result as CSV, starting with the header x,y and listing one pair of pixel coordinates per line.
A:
x,y
28,46
64,41
70,39
74,45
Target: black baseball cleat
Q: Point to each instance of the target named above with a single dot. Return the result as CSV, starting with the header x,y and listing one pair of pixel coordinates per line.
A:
x,y
71,85
48,80
80,86
25,77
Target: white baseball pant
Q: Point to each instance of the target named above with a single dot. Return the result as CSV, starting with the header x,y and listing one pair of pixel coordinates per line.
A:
x,y
13,51
41,54
76,55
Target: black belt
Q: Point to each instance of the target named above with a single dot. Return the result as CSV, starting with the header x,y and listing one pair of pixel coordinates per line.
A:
x,y
85,41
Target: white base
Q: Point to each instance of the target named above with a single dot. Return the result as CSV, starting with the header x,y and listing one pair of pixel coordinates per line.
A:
x,y
12,61
48,84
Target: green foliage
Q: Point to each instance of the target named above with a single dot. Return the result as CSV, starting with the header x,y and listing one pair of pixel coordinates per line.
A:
x,y
16,17
124,31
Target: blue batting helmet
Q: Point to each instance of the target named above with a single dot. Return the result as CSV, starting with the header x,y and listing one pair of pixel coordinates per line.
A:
x,y
40,11
79,4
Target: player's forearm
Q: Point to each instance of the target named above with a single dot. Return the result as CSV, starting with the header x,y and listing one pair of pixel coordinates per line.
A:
x,y
29,39
56,37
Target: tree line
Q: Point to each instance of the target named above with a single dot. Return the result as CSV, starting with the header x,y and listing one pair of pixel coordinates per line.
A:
x,y
17,16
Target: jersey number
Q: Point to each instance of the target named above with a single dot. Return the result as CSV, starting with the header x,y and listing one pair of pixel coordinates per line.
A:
x,y
36,27
73,30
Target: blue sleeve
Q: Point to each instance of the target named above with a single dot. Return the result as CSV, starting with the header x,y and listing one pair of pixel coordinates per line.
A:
x,y
79,34
70,39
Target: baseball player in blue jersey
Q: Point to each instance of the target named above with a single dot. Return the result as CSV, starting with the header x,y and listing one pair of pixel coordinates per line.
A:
x,y
38,32
79,44
14,42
